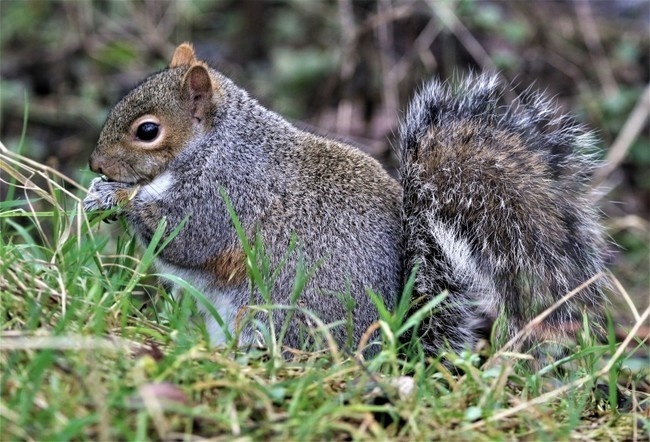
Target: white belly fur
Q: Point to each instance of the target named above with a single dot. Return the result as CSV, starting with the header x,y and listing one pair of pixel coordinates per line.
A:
x,y
220,299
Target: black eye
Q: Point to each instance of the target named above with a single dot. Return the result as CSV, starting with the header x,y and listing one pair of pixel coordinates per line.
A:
x,y
147,131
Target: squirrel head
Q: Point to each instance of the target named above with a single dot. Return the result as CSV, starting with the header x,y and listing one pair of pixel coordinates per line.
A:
x,y
154,122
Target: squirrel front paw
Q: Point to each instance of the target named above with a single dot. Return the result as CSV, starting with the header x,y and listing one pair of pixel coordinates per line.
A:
x,y
106,195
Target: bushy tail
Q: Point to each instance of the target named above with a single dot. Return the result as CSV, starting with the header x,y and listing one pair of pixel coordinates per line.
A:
x,y
496,211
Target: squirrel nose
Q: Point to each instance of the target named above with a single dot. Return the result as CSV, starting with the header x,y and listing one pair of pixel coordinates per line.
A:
x,y
95,165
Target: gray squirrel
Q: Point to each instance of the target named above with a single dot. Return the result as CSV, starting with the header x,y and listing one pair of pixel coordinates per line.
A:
x,y
492,204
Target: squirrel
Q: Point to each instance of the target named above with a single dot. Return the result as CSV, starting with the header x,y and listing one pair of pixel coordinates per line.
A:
x,y
491,205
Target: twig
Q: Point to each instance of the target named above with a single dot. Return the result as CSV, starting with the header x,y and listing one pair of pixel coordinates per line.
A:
x,y
594,44
386,56
451,21
539,318
348,62
393,14
421,47
625,296
22,161
575,384
11,341
633,126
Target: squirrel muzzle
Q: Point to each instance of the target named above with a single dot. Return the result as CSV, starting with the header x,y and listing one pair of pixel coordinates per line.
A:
x,y
107,167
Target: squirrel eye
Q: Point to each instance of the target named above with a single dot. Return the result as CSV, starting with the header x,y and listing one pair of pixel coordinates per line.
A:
x,y
147,131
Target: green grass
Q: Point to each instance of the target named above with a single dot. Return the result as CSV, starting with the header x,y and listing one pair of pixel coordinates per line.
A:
x,y
92,348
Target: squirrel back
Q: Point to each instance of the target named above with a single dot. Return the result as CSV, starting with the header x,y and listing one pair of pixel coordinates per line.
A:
x,y
492,207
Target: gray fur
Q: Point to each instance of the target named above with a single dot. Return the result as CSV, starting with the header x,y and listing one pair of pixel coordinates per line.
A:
x,y
341,205
492,205
509,186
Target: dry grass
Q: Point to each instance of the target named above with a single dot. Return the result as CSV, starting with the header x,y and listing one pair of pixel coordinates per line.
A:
x,y
83,358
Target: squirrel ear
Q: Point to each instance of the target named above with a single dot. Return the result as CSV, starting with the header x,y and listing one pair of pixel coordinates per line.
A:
x,y
183,55
197,85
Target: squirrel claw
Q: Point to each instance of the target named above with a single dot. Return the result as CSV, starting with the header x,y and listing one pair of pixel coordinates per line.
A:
x,y
102,196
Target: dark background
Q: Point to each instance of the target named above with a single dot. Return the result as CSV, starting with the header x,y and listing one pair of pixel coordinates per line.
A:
x,y
342,68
